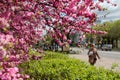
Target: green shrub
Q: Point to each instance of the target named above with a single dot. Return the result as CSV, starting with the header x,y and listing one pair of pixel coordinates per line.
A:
x,y
55,55
59,67
33,52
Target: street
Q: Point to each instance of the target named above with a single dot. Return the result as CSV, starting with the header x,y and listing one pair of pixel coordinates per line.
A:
x,y
105,54
110,54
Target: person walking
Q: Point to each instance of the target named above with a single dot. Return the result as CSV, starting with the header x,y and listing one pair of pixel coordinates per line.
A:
x,y
93,54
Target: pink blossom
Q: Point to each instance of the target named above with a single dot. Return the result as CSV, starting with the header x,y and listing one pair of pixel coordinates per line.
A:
x,y
69,41
94,31
74,9
5,76
22,41
88,2
72,4
10,1
87,30
13,70
27,76
64,37
60,44
99,32
10,74
29,13
3,23
59,34
101,0
2,52
13,58
67,31
104,32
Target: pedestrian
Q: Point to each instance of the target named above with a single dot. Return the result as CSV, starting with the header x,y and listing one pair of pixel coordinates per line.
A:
x,y
93,54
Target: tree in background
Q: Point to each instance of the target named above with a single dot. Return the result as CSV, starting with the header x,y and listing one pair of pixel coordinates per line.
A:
x,y
113,32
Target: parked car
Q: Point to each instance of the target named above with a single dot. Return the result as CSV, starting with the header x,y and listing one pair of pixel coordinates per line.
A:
x,y
107,47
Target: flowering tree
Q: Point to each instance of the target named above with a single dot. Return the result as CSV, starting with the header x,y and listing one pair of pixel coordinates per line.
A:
x,y
19,29
21,22
70,16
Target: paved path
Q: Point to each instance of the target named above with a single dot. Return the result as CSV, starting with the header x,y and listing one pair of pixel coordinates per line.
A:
x,y
106,62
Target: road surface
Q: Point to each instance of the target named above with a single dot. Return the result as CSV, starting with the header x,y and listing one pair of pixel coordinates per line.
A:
x,y
108,58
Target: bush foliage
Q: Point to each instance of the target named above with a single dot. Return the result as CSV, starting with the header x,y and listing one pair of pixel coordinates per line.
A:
x,y
56,66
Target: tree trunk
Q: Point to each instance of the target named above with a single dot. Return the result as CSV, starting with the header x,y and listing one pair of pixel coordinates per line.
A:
x,y
112,42
116,43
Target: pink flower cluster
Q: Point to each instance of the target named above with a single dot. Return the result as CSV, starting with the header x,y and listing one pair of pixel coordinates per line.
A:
x,y
11,74
6,39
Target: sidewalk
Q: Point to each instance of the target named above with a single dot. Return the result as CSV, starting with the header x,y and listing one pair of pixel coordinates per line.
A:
x,y
103,62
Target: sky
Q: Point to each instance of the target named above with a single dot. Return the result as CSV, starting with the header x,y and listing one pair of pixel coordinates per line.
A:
x,y
113,13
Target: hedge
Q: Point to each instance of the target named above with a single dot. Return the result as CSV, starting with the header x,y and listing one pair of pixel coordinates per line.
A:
x,y
57,66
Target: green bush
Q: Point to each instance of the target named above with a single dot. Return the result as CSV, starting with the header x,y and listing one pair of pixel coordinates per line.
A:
x,y
55,55
59,67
